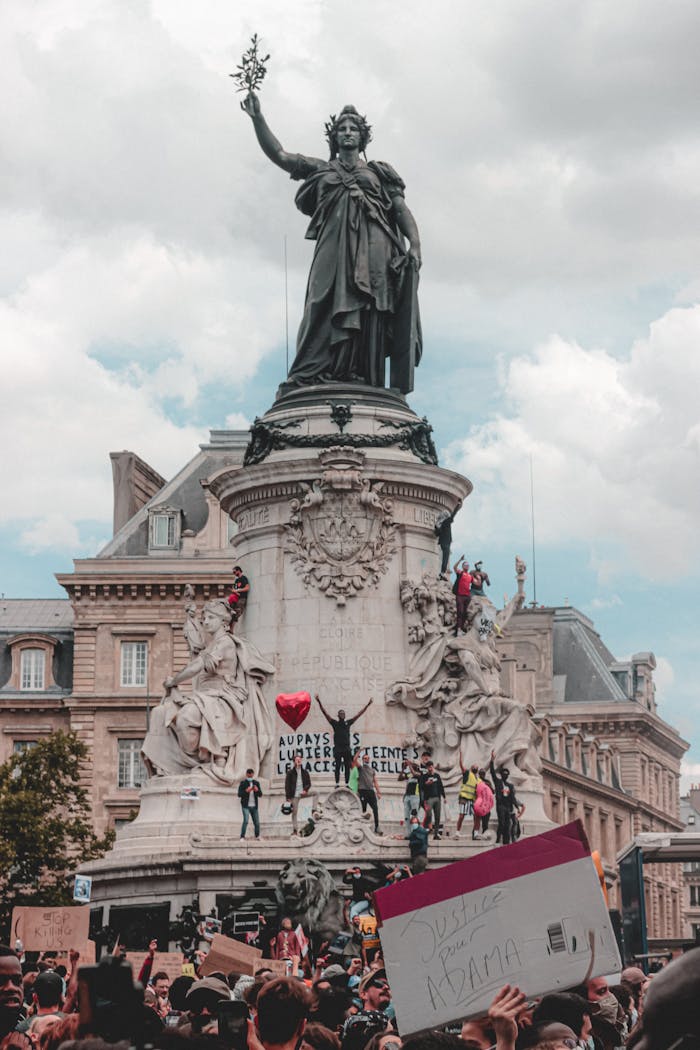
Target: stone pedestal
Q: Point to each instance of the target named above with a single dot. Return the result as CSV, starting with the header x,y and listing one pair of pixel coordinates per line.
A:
x,y
340,507
336,505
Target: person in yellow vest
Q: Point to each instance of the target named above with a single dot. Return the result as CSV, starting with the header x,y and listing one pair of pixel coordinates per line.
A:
x,y
467,794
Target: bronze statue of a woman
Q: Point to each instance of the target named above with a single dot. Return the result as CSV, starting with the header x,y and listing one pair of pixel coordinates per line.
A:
x,y
361,299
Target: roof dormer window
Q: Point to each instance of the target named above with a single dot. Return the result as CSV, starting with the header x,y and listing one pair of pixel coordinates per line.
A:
x,y
163,528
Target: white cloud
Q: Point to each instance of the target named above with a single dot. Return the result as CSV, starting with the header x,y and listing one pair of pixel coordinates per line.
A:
x,y
664,677
610,601
52,532
613,450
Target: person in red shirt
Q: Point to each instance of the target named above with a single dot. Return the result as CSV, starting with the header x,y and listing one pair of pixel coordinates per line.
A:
x,y
462,590
286,943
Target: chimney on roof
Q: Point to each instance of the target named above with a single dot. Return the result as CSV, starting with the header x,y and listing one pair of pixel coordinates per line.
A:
x,y
135,483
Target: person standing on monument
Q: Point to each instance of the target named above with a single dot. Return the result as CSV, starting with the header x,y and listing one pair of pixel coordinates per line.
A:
x,y
341,738
480,579
462,591
410,774
467,795
249,791
241,587
297,784
369,790
432,793
443,532
508,809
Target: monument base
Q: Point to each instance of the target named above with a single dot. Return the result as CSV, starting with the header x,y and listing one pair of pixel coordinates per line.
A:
x,y
185,843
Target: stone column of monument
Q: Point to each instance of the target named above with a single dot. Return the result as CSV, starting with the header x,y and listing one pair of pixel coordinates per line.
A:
x,y
336,508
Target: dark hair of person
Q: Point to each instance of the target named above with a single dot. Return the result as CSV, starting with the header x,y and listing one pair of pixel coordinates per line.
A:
x,y
320,1038
49,991
160,976
61,971
5,951
252,991
623,995
330,1006
282,1006
433,1041
178,992
564,1007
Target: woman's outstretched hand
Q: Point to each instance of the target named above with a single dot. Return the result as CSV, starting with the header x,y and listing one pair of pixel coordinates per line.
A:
x,y
251,105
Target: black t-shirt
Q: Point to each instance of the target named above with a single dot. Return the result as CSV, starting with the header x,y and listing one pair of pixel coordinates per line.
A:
x,y
239,583
341,733
432,785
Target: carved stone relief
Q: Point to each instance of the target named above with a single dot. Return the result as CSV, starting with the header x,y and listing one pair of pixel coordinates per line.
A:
x,y
341,532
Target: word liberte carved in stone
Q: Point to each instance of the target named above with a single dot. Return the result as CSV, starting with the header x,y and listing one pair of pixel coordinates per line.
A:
x,y
267,437
342,532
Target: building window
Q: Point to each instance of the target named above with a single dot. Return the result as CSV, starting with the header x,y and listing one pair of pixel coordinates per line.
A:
x,y
32,666
20,746
133,663
163,528
132,772
695,896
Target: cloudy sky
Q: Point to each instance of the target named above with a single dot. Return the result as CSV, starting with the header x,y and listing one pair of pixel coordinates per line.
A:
x,y
551,152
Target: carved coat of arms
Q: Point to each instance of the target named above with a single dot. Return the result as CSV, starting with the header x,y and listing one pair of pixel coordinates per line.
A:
x,y
341,531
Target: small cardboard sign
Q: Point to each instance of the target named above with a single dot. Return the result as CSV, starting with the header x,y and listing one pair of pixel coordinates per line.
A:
x,y
44,929
529,914
229,956
280,967
169,962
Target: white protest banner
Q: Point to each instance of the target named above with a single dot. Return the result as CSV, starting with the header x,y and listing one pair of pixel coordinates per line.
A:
x,y
530,914
42,929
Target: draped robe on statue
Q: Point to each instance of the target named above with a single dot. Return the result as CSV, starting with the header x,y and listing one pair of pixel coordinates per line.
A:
x,y
361,299
222,727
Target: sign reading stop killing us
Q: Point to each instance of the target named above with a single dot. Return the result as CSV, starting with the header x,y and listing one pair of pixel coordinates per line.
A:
x,y
531,914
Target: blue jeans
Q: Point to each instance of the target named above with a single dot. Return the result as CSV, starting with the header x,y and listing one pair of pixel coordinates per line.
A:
x,y
411,803
252,812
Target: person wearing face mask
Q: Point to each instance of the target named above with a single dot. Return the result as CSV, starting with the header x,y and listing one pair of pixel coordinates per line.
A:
x,y
508,809
607,1016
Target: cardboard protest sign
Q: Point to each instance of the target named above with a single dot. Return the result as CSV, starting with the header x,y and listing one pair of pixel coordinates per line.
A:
x,y
169,962
280,967
530,914
41,929
226,955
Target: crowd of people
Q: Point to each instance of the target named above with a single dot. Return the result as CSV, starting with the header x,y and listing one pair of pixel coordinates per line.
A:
x,y
343,1003
423,799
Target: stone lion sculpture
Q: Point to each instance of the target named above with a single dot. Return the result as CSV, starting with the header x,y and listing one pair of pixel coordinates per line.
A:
x,y
306,892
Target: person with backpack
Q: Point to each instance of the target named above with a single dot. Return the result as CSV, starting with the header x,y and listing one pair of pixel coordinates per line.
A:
x,y
462,591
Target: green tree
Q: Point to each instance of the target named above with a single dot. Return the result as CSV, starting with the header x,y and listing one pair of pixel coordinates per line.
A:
x,y
45,828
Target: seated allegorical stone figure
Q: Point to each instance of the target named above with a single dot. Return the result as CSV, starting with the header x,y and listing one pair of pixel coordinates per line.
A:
x,y
223,726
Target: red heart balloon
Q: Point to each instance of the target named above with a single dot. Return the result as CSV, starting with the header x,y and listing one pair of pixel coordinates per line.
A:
x,y
293,708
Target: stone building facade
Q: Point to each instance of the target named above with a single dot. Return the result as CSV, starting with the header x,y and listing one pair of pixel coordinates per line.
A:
x,y
690,815
36,670
608,757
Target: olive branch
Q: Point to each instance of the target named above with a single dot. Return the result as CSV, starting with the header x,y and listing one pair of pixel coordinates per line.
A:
x,y
251,72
